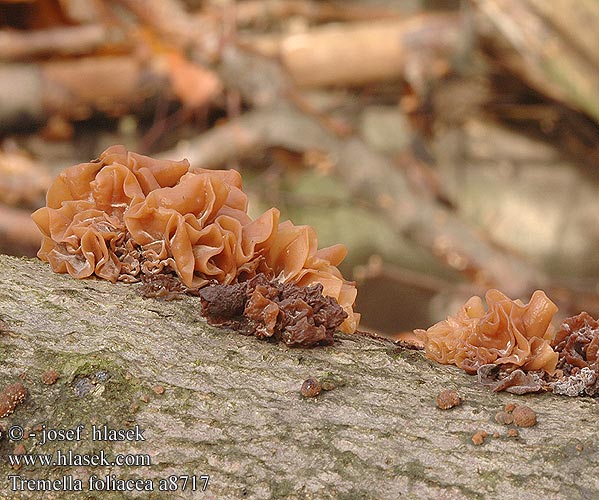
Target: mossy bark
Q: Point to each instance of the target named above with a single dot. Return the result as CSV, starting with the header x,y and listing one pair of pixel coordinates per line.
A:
x,y
232,409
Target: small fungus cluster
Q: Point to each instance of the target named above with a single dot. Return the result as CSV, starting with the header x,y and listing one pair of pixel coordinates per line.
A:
x,y
298,316
125,215
508,333
577,343
519,415
512,346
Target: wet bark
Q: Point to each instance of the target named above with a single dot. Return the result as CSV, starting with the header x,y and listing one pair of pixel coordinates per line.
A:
x,y
232,409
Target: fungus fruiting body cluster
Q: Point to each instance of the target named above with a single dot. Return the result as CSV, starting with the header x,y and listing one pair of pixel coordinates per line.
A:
x,y
507,333
125,215
577,343
512,346
298,316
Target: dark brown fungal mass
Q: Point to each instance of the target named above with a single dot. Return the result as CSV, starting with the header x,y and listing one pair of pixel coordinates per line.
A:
x,y
577,344
224,304
11,397
298,316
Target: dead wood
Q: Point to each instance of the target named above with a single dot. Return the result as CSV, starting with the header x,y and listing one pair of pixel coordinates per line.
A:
x,y
250,12
75,88
210,401
554,46
354,54
64,41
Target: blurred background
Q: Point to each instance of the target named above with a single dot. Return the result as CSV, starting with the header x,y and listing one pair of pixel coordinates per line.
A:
x,y
453,146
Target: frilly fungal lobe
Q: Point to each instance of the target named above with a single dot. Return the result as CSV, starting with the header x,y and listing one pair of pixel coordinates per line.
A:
x,y
508,333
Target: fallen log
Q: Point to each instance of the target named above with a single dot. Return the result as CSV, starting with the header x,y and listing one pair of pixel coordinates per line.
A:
x,y
210,402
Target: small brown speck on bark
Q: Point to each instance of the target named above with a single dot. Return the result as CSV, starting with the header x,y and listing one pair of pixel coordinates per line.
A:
x,y
524,416
311,388
448,399
50,377
504,418
18,450
479,437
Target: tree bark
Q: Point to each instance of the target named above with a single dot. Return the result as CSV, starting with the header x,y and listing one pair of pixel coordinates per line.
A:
x,y
232,409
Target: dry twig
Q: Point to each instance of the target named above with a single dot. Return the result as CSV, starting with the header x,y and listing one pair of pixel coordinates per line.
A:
x,y
63,41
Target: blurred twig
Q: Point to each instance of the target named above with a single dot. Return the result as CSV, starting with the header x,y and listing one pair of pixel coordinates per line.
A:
x,y
372,179
75,88
171,21
362,52
377,268
63,41
556,46
18,233
257,11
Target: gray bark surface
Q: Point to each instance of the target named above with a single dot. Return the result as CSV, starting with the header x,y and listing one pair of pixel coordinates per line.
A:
x,y
232,407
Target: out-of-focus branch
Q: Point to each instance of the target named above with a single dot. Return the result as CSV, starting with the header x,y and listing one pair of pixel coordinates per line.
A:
x,y
372,179
556,46
351,53
354,54
64,41
75,88
359,52
172,22
18,233
250,12
377,268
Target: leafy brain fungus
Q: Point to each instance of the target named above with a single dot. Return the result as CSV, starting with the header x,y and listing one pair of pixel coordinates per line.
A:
x,y
508,333
125,215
